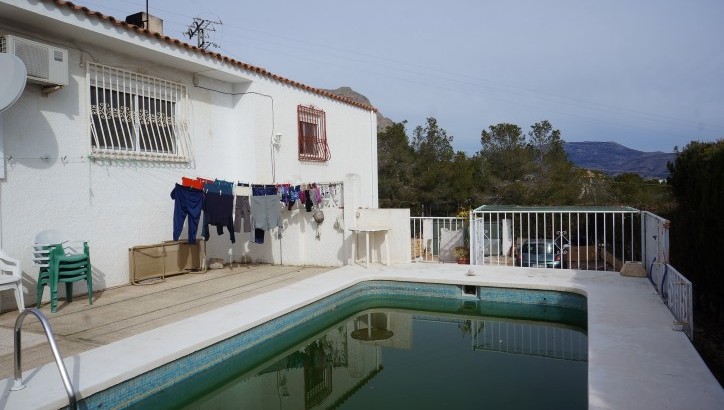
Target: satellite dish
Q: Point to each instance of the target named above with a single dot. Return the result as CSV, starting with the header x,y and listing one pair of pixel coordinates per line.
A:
x,y
12,82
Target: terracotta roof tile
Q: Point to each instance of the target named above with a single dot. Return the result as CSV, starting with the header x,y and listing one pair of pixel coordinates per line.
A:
x,y
218,56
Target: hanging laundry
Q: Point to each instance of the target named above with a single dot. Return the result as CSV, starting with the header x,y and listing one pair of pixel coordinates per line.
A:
x,y
242,207
337,195
218,211
242,189
219,187
259,236
265,208
290,195
317,195
187,202
308,204
192,183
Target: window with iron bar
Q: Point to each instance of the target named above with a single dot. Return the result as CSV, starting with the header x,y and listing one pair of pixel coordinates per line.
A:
x,y
135,116
312,134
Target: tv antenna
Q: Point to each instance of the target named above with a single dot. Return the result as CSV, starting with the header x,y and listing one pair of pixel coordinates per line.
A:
x,y
200,28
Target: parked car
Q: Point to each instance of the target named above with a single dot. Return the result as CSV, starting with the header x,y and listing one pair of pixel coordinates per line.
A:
x,y
540,253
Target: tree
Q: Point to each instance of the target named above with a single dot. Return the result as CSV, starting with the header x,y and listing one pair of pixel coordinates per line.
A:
x,y
394,167
462,185
546,142
432,171
647,194
697,225
505,152
552,175
595,187
432,142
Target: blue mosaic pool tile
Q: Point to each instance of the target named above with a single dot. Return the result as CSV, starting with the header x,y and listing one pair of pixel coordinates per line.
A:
x,y
165,377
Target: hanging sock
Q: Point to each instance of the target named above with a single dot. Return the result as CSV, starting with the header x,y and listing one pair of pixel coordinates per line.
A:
x,y
308,204
258,236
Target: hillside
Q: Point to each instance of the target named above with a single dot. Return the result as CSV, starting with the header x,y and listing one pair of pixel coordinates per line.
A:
x,y
614,159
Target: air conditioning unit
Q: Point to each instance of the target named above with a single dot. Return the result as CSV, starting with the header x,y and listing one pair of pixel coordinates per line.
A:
x,y
46,64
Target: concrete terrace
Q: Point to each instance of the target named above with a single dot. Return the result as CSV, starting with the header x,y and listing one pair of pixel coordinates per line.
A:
x,y
124,311
636,359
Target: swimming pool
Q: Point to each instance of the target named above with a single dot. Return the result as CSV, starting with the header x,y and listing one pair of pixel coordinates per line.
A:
x,y
255,348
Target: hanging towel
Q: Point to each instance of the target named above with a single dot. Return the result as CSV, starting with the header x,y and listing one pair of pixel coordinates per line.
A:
x,y
242,189
192,183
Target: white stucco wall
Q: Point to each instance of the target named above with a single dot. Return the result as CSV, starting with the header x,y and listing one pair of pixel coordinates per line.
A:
x,y
398,223
51,182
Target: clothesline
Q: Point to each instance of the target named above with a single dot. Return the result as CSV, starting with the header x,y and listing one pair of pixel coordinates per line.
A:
x,y
240,204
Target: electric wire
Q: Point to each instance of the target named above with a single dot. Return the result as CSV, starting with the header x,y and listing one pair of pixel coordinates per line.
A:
x,y
312,52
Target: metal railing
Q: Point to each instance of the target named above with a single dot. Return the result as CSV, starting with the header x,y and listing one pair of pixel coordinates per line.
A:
x,y
19,385
556,237
583,238
434,239
676,291
673,288
654,239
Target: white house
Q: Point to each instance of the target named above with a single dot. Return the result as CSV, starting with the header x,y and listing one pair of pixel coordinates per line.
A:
x,y
114,115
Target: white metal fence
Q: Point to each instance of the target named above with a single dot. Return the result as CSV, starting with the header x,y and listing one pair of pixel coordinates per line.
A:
x,y
676,291
655,239
435,239
583,238
594,238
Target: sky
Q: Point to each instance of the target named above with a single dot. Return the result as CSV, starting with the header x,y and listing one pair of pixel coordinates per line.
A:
x,y
648,74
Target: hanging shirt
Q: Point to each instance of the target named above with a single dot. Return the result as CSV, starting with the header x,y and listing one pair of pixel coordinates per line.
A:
x,y
218,211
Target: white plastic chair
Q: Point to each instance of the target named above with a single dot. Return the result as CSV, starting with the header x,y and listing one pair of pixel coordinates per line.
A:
x,y
11,278
43,243
50,237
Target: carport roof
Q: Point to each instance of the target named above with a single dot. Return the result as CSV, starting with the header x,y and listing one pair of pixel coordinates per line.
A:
x,y
562,209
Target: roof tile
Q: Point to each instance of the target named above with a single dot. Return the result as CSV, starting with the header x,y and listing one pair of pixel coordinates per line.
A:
x,y
218,56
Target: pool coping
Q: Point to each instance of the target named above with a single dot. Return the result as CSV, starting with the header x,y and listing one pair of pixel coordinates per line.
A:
x,y
636,359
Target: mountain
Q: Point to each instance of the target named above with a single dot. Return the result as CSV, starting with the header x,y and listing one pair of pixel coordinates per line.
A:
x,y
609,157
614,159
382,121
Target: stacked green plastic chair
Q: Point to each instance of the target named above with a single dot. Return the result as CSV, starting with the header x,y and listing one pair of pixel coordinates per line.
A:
x,y
58,263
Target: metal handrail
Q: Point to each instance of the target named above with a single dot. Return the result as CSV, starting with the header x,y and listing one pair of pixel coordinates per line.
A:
x,y
18,385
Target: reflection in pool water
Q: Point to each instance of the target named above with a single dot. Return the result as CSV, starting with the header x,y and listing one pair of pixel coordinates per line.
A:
x,y
400,359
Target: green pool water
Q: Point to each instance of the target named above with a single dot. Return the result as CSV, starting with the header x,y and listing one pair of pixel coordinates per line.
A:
x,y
387,351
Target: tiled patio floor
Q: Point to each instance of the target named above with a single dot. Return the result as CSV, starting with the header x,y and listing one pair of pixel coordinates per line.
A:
x,y
124,311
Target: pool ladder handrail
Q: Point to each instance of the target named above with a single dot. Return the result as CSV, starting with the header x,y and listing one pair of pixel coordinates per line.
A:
x,y
18,385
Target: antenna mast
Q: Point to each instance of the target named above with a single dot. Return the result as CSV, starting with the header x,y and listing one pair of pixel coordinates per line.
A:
x,y
199,28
